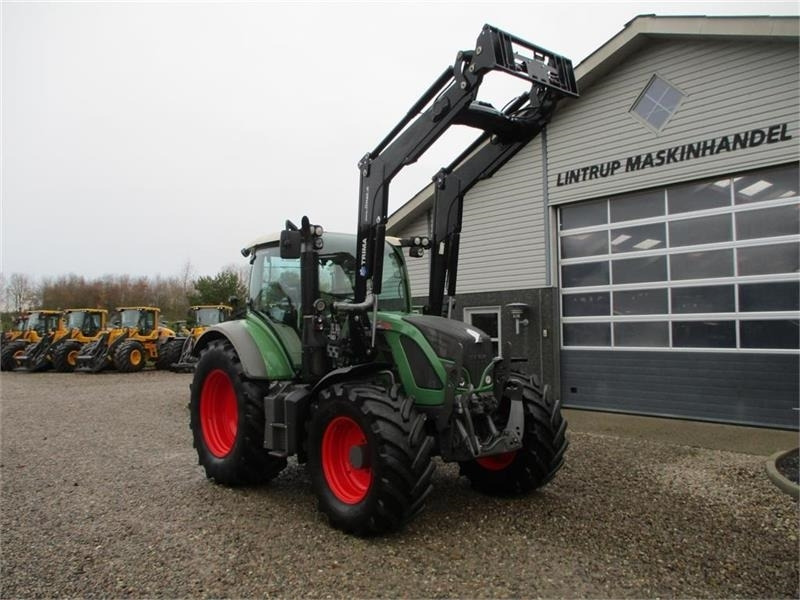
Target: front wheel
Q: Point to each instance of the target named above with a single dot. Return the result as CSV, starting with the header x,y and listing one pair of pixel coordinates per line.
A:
x,y
65,357
130,357
541,456
227,420
9,354
370,458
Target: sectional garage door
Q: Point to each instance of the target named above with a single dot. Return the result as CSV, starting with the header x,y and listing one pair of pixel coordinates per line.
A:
x,y
685,300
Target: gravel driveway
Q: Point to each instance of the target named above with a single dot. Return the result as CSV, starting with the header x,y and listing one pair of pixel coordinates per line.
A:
x,y
102,496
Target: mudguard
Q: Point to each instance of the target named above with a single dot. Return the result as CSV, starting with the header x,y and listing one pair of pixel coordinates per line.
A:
x,y
260,351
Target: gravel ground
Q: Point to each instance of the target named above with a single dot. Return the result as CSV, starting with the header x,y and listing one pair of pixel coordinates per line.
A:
x,y
102,497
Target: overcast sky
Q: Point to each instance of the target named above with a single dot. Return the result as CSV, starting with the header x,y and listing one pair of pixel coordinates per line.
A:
x,y
137,136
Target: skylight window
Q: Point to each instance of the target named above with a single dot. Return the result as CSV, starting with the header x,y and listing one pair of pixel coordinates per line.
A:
x,y
657,103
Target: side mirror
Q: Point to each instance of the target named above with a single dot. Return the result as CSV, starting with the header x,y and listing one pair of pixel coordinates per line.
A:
x,y
291,242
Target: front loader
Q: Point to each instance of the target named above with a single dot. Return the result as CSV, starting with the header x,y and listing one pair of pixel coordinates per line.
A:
x,y
329,363
41,327
128,346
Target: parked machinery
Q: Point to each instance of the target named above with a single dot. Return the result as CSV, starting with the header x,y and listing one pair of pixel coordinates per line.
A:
x,y
84,326
16,330
40,324
330,364
177,353
59,349
136,338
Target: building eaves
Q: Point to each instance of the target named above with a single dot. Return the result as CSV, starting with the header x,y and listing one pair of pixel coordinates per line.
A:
x,y
643,28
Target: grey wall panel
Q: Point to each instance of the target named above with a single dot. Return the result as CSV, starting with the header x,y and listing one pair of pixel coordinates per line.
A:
x,y
503,236
730,86
752,389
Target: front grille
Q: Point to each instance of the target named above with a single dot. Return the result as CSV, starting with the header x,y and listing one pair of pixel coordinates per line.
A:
x,y
477,357
449,338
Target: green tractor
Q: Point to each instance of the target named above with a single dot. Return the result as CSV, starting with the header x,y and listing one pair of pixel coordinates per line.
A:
x,y
330,364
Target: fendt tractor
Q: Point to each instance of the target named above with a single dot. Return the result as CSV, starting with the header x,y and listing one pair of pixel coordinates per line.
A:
x,y
59,349
330,365
40,324
178,352
136,338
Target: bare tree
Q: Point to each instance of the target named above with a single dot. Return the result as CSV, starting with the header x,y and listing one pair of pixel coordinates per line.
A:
x,y
20,292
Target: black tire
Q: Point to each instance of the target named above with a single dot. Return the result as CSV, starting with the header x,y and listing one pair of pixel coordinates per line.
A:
x,y
230,453
541,456
389,483
130,357
169,353
7,362
65,357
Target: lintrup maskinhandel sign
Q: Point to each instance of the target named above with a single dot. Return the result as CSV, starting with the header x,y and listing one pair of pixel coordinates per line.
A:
x,y
726,143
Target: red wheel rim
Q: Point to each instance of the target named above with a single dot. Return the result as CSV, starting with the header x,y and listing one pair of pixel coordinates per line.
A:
x,y
498,462
219,414
348,483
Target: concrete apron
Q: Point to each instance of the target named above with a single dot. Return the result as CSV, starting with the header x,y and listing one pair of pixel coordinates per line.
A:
x,y
773,443
714,436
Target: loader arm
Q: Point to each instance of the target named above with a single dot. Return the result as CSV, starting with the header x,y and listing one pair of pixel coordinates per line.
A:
x,y
451,100
479,161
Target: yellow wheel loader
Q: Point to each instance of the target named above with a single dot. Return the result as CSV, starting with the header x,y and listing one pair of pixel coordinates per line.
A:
x,y
84,326
178,353
17,329
136,338
41,327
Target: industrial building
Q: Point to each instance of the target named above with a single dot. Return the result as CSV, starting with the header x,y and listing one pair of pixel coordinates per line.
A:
x,y
642,254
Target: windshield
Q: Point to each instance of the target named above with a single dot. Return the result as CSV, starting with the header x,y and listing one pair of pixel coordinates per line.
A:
x,y
34,322
129,318
88,323
75,319
208,316
275,281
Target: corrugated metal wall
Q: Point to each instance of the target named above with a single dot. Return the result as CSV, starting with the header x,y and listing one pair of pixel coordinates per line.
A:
x,y
730,87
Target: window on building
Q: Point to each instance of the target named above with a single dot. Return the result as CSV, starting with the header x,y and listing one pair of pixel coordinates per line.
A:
x,y
487,319
711,265
657,103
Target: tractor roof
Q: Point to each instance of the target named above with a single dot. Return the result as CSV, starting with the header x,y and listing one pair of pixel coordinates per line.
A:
x,y
153,308
338,240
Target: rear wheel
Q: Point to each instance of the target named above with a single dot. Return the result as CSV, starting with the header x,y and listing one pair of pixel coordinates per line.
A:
x,y
370,458
169,353
227,420
541,456
65,357
9,353
130,357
